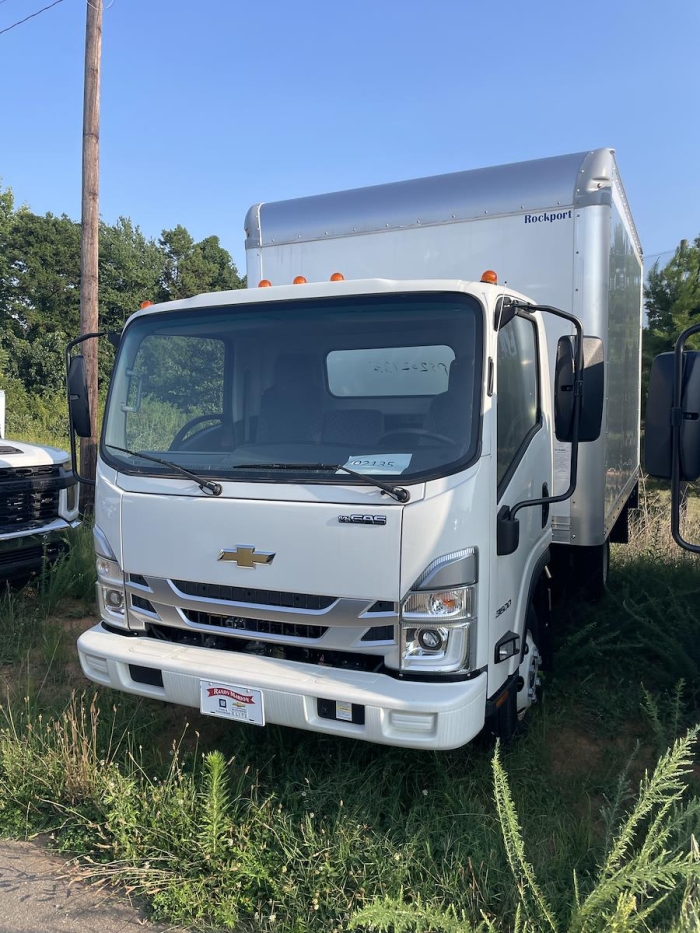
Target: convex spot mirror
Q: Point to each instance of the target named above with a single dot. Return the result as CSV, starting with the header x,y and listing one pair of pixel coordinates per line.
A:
x,y
79,406
593,389
658,452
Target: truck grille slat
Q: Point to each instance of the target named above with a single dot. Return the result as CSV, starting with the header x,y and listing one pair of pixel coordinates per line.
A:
x,y
240,594
25,502
256,626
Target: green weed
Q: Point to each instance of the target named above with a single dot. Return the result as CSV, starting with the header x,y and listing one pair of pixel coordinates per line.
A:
x,y
279,830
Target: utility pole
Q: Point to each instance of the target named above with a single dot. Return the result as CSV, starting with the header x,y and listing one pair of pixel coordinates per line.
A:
x,y
89,251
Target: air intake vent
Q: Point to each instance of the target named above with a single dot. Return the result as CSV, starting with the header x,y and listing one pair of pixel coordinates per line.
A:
x,y
382,605
138,579
138,603
240,594
256,626
379,633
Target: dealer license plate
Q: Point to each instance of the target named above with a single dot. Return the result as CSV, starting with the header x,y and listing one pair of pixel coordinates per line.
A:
x,y
232,701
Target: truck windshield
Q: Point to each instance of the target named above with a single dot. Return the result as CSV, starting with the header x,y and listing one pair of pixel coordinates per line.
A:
x,y
387,385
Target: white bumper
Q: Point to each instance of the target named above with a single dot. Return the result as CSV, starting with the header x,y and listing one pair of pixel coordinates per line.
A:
x,y
416,715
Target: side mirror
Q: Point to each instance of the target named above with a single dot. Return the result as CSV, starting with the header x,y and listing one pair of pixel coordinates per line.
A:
x,y
78,404
593,389
506,310
658,447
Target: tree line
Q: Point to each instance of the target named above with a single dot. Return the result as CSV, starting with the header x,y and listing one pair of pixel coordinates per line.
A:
x,y
672,298
40,291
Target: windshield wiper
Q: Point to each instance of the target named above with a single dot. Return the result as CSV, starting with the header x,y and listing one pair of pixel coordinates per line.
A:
x,y
214,488
396,492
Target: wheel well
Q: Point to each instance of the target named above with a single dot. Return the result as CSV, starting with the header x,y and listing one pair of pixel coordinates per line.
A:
x,y
539,602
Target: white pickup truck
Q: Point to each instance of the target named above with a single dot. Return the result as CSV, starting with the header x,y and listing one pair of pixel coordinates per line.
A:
x,y
38,505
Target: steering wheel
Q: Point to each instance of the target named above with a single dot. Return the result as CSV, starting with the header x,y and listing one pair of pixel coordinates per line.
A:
x,y
187,427
418,432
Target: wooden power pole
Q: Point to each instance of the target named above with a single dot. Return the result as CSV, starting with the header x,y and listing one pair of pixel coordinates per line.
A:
x,y
89,253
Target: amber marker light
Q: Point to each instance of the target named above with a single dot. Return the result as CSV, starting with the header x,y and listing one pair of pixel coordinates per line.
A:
x,y
145,304
264,283
490,277
337,277
299,280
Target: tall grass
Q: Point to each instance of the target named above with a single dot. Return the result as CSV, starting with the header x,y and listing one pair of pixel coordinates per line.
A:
x,y
280,830
210,840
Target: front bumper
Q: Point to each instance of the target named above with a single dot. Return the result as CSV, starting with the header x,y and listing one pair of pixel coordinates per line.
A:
x,y
410,714
23,552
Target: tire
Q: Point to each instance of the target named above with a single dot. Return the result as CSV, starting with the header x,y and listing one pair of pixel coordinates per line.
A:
x,y
510,717
529,684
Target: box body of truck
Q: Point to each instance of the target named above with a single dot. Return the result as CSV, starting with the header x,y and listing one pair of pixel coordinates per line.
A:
x,y
558,229
38,507
300,488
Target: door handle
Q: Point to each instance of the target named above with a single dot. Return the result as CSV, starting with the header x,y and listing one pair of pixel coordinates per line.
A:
x,y
545,507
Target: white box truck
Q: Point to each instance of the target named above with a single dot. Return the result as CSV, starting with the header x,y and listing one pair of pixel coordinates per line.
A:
x,y
341,504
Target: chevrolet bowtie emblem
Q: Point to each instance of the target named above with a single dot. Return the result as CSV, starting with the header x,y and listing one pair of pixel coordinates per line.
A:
x,y
245,556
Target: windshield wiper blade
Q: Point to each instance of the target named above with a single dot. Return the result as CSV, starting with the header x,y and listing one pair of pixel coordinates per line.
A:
x,y
214,488
396,492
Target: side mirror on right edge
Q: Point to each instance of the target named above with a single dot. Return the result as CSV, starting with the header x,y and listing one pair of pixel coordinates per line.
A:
x,y
593,389
78,402
658,441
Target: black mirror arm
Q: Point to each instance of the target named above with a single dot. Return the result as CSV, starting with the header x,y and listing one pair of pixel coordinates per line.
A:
x,y
71,430
676,422
578,399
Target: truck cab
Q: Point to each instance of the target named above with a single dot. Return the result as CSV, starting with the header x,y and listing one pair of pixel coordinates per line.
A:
x,y
331,556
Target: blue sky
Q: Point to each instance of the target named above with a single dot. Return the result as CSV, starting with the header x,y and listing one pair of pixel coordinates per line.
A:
x,y
210,106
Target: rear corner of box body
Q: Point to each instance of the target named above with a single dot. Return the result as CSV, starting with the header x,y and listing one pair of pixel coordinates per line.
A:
x,y
607,299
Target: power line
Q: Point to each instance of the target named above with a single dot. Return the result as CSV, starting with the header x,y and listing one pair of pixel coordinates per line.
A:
x,y
31,16
660,253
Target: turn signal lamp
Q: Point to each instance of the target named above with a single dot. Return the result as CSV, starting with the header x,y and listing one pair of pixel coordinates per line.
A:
x,y
490,277
264,283
337,277
145,304
299,280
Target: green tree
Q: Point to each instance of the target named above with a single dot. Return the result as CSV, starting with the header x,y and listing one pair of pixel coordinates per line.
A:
x,y
41,286
672,299
672,295
194,268
7,209
39,294
130,271
131,268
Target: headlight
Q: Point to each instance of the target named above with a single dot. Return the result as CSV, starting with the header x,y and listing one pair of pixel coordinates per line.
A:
x,y
110,590
436,628
440,605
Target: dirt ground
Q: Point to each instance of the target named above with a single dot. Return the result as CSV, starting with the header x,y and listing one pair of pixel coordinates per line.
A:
x,y
41,893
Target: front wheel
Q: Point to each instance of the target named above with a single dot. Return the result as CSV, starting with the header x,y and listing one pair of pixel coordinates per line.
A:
x,y
528,676
509,713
